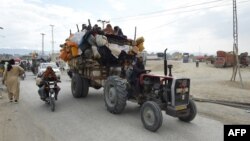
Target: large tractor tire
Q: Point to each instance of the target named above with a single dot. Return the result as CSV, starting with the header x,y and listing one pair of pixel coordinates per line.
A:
x,y
79,86
85,87
115,94
151,116
76,85
192,113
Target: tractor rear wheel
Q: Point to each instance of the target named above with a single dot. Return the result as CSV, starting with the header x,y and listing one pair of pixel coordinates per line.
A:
x,y
76,85
151,116
85,87
192,113
115,94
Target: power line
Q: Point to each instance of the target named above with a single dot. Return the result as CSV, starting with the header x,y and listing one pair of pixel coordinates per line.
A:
x,y
143,16
173,21
167,10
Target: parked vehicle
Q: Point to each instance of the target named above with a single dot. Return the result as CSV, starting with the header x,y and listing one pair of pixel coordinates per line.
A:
x,y
185,57
36,60
224,59
200,58
42,67
210,59
244,59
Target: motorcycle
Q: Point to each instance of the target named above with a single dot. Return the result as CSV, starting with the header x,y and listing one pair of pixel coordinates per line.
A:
x,y
23,76
50,87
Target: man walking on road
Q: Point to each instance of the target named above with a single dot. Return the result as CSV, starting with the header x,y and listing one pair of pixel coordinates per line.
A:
x,y
11,80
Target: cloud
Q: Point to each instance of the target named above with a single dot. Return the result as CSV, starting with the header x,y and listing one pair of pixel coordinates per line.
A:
x,y
209,29
34,1
183,29
117,5
23,21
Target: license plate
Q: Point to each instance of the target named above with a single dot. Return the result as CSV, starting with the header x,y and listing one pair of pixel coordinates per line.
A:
x,y
181,107
181,90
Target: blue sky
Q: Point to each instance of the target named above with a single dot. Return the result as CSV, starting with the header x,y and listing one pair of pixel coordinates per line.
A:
x,y
180,25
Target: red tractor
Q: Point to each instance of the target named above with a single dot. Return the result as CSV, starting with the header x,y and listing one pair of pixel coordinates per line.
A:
x,y
154,93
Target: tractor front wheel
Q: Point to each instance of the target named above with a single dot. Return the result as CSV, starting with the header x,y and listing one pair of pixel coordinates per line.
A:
x,y
151,116
191,115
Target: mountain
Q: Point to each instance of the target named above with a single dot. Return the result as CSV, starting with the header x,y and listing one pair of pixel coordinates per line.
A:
x,y
19,51
15,51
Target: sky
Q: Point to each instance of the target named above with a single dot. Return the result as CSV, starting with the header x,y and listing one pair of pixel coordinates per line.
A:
x,y
194,26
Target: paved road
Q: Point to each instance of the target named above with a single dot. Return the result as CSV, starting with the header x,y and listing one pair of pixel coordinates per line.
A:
x,y
87,119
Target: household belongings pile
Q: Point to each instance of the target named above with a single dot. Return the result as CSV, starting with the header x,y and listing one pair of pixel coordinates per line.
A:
x,y
106,49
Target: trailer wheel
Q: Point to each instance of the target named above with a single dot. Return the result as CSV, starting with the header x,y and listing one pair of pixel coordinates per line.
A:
x,y
76,85
85,87
115,94
151,116
192,113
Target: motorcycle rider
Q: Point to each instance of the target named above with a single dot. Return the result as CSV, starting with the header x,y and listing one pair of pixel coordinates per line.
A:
x,y
48,75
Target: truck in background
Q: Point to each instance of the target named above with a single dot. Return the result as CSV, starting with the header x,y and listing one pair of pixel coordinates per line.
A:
x,y
244,59
224,59
185,57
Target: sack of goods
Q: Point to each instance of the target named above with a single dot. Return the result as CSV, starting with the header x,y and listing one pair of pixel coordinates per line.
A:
x,y
39,82
104,48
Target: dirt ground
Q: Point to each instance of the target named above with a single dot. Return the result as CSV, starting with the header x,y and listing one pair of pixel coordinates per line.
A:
x,y
208,82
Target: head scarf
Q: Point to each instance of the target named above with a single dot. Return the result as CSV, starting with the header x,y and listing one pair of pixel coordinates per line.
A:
x,y
11,62
49,73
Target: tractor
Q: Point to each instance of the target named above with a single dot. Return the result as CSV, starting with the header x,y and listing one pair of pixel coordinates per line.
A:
x,y
154,93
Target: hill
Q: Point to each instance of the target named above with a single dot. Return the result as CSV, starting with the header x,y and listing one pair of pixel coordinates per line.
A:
x,y
18,51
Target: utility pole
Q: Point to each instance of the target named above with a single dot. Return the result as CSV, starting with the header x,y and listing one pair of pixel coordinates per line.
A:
x,y
236,66
103,22
52,42
42,43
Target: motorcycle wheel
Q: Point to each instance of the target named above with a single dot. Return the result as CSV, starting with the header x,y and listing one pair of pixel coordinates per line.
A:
x,y
52,104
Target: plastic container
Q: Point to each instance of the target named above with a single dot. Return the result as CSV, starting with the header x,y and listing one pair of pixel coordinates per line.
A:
x,y
74,51
63,55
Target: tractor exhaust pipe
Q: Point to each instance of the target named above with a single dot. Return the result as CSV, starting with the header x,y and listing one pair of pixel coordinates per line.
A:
x,y
165,62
